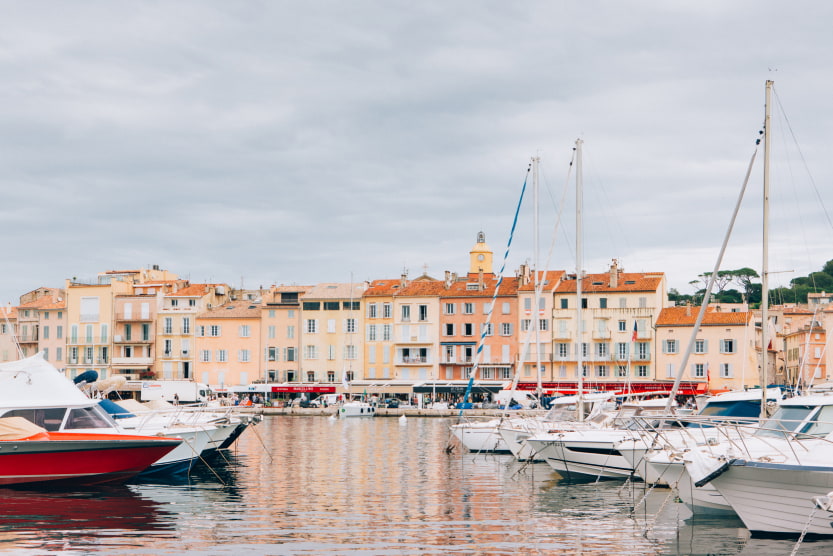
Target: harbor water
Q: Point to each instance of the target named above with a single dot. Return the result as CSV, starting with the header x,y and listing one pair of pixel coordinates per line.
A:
x,y
315,485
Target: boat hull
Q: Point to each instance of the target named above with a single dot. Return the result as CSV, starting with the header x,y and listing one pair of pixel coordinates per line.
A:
x,y
79,459
778,498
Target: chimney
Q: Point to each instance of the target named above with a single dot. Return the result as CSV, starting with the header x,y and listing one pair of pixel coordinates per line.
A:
x,y
614,274
447,279
480,284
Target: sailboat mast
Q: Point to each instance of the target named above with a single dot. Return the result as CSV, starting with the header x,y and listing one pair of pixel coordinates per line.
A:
x,y
537,298
579,263
765,257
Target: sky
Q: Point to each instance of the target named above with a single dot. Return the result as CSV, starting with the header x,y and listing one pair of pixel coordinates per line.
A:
x,y
272,142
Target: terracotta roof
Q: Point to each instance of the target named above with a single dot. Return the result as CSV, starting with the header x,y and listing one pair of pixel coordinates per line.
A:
x,y
687,316
10,312
194,290
335,290
38,303
600,283
460,288
56,305
235,310
549,277
383,287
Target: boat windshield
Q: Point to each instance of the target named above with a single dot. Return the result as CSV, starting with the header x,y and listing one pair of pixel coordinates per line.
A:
x,y
87,418
786,419
822,423
49,418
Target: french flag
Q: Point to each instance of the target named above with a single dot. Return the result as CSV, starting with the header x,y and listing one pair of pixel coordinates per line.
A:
x,y
633,336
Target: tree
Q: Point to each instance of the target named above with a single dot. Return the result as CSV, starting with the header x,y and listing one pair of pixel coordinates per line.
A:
x,y
743,277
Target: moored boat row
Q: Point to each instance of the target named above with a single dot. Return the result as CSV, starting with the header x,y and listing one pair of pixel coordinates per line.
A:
x,y
65,420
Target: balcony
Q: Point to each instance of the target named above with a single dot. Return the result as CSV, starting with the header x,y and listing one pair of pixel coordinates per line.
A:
x,y
133,317
28,339
133,361
413,360
562,334
601,334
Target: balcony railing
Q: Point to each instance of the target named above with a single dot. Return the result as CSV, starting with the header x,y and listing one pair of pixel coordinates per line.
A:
x,y
133,317
412,360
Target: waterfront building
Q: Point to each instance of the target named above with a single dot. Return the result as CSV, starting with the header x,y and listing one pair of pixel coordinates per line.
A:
x,y
615,336
379,324
52,342
29,318
174,328
9,349
416,314
330,335
535,340
804,360
228,343
280,329
724,355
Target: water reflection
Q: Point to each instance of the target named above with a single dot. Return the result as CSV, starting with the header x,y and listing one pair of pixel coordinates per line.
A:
x,y
308,485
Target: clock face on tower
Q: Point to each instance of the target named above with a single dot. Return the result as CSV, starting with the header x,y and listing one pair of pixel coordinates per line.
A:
x,y
481,257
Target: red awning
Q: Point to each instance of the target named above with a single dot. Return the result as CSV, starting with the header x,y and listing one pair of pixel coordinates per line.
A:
x,y
316,389
571,387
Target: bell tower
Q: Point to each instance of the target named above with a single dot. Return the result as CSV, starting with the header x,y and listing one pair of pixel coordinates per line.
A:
x,y
480,257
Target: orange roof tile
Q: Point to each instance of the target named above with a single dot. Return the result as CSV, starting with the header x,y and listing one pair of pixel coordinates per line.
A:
x,y
235,310
687,316
600,283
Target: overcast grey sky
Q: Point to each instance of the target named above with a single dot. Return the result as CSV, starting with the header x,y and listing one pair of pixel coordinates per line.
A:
x,y
300,142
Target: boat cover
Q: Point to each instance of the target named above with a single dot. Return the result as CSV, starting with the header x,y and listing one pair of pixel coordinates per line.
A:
x,y
18,428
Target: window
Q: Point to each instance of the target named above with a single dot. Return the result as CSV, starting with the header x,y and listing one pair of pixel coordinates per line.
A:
x,y
89,333
45,332
669,346
525,324
386,332
601,371
331,326
602,303
623,302
601,350
244,330
700,346
643,302
669,370
271,332
563,350
243,355
727,346
192,302
290,354
642,371
642,351
169,325
371,310
468,308
487,328
386,310
506,308
290,331
621,371
449,329
623,327
450,308
350,352
543,324
506,329
350,326
406,313
468,329
312,305
331,305
215,330
59,332
205,355
310,352
311,326
200,331
371,332
699,370
168,347
186,325
621,351
725,370
222,356
564,303
331,352
272,354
